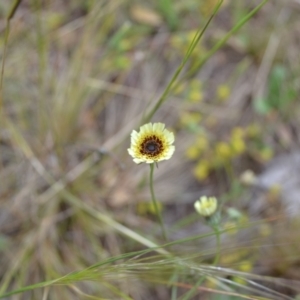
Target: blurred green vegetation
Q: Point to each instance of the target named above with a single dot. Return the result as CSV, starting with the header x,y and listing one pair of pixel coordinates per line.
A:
x,y
76,221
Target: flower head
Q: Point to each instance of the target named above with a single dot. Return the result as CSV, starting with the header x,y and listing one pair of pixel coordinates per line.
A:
x,y
206,206
152,144
248,178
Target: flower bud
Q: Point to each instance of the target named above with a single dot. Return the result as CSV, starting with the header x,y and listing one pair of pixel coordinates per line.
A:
x,y
206,206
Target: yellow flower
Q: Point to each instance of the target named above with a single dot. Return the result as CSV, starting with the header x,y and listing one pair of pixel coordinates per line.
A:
x,y
195,96
237,132
152,144
192,152
187,118
202,170
254,130
202,143
238,146
223,150
223,91
206,206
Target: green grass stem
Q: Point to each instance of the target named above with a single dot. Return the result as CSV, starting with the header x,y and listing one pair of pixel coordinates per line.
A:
x,y
190,50
221,43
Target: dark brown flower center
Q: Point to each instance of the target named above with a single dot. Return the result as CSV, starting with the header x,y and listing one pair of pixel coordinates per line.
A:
x,y
151,146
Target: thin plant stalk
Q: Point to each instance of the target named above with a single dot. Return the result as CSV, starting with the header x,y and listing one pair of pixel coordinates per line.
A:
x,y
190,50
157,211
221,43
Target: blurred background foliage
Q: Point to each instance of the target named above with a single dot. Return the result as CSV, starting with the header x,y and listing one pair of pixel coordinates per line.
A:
x,y
80,75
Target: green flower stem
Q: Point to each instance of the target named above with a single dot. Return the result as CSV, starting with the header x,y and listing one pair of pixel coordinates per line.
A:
x,y
157,211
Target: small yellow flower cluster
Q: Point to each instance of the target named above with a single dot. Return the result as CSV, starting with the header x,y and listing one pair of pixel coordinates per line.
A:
x,y
192,91
199,147
234,147
211,155
223,92
195,93
190,120
202,169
